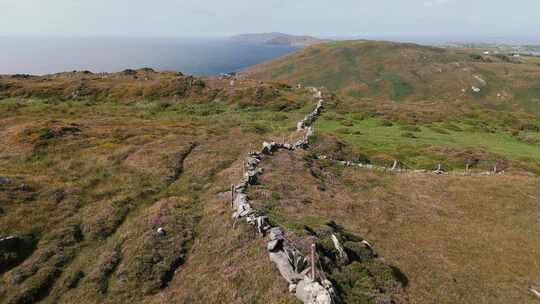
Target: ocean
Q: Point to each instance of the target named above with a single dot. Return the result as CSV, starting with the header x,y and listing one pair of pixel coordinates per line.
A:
x,y
194,56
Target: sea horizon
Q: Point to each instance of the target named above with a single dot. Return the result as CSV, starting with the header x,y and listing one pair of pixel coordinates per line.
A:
x,y
199,56
195,56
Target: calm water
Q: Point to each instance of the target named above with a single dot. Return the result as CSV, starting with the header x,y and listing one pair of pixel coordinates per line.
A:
x,y
190,56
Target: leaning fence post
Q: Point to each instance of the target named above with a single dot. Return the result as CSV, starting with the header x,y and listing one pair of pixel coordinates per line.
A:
x,y
394,165
232,196
313,246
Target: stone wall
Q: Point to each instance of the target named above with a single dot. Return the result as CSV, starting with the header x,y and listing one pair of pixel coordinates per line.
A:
x,y
292,266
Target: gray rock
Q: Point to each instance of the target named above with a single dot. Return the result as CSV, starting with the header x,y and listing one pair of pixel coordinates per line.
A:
x,y
255,154
312,292
252,176
253,162
268,148
262,224
281,259
4,181
239,201
274,245
292,288
241,187
535,291
342,254
276,234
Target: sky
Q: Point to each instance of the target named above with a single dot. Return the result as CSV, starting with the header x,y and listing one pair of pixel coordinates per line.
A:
x,y
211,18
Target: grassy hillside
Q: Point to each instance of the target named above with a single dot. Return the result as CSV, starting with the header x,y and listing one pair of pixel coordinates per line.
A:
x,y
89,179
456,239
408,72
418,104
91,165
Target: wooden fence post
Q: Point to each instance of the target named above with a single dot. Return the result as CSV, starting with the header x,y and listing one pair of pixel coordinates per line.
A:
x,y
313,246
232,196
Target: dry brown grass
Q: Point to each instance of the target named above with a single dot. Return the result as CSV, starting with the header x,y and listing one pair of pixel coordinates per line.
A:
x,y
457,239
112,179
95,197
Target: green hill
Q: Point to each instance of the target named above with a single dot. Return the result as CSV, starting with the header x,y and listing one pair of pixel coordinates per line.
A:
x,y
422,105
409,72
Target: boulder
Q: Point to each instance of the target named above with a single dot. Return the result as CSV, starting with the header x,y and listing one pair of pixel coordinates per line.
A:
x,y
312,292
252,162
252,176
281,259
262,224
268,148
274,245
292,288
276,234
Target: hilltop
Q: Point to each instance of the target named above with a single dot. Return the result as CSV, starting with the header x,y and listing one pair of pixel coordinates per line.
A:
x,y
280,38
403,72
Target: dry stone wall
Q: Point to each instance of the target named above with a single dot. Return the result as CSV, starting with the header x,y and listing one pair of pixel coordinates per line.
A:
x,y
439,171
295,268
292,266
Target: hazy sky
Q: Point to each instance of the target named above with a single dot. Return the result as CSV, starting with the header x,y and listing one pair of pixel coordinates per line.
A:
x,y
227,17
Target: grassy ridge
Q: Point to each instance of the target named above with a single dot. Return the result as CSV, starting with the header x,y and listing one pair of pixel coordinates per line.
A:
x,y
408,72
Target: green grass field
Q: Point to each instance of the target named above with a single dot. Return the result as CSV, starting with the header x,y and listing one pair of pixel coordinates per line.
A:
x,y
413,147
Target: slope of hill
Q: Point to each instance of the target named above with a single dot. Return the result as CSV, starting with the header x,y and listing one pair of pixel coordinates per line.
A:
x,y
280,38
422,105
408,72
113,189
93,165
